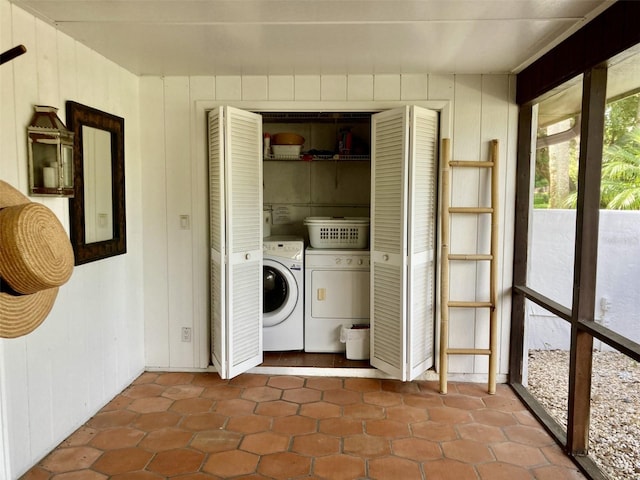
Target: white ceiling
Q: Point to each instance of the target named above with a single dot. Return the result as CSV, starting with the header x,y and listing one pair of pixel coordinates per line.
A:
x,y
260,37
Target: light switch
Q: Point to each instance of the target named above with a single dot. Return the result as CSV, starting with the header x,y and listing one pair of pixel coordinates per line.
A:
x,y
322,293
185,223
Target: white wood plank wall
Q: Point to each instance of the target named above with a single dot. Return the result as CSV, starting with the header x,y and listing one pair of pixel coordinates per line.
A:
x,y
92,344
174,169
117,315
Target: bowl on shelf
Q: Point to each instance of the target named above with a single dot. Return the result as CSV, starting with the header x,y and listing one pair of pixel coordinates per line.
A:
x,y
286,138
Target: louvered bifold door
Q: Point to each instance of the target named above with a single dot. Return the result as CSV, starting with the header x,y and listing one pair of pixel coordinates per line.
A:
x,y
389,179
423,175
243,180
217,242
235,209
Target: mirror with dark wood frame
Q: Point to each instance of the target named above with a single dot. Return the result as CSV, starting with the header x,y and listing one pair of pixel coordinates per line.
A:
x,y
97,211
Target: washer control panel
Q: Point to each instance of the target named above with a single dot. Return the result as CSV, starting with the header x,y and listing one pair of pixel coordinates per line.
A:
x,y
292,249
281,247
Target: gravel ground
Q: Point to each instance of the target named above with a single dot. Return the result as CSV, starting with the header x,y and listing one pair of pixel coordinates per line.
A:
x,y
614,438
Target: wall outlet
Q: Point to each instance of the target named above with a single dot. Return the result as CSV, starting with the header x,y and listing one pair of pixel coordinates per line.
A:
x,y
186,334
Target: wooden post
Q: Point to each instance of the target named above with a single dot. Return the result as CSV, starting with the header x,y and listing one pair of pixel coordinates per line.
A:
x,y
444,266
493,280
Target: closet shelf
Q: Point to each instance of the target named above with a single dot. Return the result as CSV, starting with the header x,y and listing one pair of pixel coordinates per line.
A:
x,y
320,117
317,158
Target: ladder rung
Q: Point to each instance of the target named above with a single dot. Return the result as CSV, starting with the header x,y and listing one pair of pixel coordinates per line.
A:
x,y
470,210
468,351
459,304
472,256
470,164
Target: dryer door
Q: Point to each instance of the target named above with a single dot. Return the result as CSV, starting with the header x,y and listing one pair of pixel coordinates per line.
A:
x,y
280,293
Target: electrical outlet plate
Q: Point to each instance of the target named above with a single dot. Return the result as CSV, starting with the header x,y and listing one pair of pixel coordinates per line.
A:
x,y
186,334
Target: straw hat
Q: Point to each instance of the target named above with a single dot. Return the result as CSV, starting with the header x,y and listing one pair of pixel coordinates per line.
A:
x,y
36,257
21,314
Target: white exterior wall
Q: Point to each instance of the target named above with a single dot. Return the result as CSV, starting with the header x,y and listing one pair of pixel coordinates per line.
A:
x,y
91,345
551,272
482,108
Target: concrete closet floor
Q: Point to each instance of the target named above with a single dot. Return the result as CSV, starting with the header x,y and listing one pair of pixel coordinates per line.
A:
x,y
194,426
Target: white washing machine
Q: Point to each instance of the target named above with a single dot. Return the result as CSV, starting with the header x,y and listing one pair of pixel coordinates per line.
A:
x,y
336,295
283,302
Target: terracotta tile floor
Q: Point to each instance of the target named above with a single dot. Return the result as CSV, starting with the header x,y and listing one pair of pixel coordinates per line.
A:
x,y
194,426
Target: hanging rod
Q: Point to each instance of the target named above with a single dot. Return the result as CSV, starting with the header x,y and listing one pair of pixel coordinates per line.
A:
x,y
12,53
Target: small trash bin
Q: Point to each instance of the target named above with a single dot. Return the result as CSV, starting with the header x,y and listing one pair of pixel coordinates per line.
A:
x,y
356,338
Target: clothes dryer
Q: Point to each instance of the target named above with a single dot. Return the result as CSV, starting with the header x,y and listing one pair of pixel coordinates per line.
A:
x,y
337,295
283,300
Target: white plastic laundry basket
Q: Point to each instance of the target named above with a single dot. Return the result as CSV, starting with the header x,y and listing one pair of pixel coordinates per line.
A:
x,y
338,232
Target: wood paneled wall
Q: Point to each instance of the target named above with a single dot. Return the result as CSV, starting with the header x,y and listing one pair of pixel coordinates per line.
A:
x,y
117,315
175,183
91,346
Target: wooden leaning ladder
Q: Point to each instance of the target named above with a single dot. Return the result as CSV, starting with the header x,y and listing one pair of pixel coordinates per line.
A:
x,y
446,303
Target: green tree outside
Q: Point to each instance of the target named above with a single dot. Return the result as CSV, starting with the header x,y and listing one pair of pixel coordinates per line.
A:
x,y
620,187
620,184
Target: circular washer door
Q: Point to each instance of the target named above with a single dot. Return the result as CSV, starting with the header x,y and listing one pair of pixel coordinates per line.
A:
x,y
280,293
